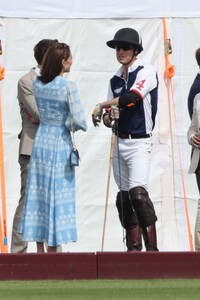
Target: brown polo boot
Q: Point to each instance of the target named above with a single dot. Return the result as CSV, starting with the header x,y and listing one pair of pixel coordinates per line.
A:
x,y
133,239
150,239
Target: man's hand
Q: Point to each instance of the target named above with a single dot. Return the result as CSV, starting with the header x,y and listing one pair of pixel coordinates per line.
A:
x,y
195,140
114,112
32,119
97,114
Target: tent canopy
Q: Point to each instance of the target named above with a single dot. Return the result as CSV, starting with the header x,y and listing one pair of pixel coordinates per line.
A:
x,y
100,9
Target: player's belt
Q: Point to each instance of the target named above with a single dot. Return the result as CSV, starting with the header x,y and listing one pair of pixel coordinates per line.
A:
x,y
133,136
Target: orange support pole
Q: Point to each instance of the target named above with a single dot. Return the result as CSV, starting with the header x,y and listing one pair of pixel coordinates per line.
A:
x,y
169,73
1,236
3,219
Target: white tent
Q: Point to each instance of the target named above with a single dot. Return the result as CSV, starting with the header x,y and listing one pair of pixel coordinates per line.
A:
x,y
86,26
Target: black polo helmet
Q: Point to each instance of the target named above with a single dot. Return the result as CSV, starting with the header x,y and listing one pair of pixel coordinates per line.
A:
x,y
126,36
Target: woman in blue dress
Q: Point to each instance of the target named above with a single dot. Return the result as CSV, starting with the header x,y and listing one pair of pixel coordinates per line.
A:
x,y
50,214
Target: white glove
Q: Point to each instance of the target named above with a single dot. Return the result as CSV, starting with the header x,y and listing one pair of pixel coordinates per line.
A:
x,y
114,112
97,114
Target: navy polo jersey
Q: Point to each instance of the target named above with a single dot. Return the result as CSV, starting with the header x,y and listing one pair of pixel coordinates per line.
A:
x,y
142,79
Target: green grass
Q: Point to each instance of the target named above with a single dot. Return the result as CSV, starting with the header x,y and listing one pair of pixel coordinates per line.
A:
x,y
173,289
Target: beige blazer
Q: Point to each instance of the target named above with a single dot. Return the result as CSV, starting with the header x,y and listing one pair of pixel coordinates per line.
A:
x,y
27,106
194,128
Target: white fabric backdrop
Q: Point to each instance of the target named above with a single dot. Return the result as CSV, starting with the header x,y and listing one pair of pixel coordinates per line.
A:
x,y
99,9
94,64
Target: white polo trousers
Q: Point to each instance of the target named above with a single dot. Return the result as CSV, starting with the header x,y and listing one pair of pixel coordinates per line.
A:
x,y
131,162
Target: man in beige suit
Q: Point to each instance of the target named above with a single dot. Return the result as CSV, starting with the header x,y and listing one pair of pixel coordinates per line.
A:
x,y
30,121
194,140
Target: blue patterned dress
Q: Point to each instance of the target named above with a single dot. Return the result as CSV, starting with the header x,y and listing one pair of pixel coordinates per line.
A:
x,y
49,212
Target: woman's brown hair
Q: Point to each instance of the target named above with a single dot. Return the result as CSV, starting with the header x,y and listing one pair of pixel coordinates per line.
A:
x,y
52,62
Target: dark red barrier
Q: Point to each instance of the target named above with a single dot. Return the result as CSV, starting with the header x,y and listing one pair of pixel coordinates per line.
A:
x,y
148,265
48,266
102,265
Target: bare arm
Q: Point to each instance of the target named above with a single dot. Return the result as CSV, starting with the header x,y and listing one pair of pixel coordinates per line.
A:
x,y
109,103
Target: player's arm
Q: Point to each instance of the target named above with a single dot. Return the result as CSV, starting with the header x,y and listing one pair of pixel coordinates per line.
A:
x,y
128,100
